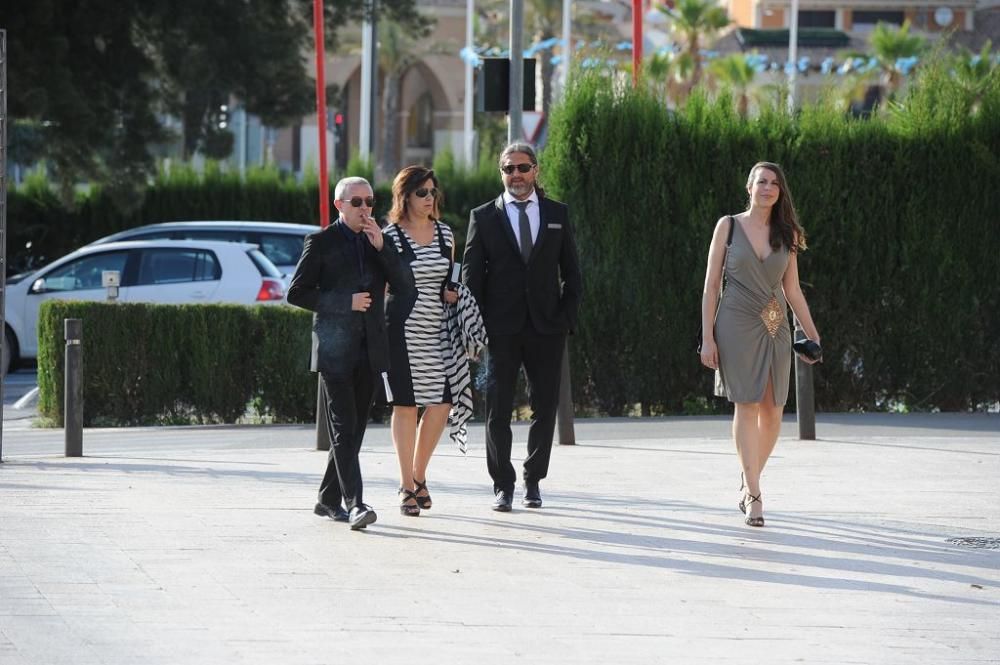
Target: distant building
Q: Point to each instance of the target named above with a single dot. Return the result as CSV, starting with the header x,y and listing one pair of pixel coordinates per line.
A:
x,y
856,15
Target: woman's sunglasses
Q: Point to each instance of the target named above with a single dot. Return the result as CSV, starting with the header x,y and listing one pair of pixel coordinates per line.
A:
x,y
357,201
423,192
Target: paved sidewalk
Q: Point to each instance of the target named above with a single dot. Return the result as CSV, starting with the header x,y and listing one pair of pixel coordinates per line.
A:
x,y
198,545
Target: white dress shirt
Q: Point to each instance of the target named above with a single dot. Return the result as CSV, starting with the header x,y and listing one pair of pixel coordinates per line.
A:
x,y
514,216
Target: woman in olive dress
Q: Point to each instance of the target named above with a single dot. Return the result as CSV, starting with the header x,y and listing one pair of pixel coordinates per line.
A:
x,y
746,336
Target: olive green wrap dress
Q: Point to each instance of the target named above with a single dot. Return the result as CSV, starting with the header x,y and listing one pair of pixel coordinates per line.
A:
x,y
751,324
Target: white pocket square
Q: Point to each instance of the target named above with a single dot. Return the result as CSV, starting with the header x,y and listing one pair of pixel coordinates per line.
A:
x,y
554,226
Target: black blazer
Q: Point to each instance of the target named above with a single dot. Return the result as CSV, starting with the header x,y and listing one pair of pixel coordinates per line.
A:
x,y
325,280
547,288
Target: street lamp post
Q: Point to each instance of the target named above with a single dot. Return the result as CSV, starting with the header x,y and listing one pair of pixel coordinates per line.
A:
x,y
793,53
516,98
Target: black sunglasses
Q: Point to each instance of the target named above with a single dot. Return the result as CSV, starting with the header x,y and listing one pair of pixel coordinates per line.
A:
x,y
423,192
521,168
357,201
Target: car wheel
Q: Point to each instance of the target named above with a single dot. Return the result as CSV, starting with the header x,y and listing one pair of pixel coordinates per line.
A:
x,y
8,355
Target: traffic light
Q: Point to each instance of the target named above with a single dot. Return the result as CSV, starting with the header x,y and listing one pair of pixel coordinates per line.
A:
x,y
338,126
493,85
223,116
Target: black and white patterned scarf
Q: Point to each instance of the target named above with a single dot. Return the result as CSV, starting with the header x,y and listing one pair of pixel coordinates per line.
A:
x,y
463,337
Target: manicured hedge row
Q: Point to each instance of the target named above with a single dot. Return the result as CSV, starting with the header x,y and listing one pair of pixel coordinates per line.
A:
x,y
900,210
159,364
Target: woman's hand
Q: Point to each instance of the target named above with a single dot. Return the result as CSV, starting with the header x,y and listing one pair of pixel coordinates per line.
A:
x,y
709,354
450,297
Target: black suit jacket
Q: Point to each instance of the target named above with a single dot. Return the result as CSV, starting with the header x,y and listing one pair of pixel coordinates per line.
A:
x,y
547,288
325,281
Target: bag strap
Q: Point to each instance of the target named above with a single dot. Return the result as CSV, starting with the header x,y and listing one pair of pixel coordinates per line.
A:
x,y
725,258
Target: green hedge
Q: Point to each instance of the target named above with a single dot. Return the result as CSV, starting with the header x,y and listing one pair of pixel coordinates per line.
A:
x,y
901,274
177,364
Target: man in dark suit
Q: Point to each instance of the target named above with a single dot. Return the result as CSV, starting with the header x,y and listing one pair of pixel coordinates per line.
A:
x,y
341,277
521,265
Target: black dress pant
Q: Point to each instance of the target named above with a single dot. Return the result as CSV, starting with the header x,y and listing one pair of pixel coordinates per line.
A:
x,y
349,399
541,356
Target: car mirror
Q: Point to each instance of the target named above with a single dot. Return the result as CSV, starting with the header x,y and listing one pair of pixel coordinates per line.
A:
x,y
38,286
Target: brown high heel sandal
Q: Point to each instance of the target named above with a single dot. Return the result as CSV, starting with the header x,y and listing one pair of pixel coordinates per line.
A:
x,y
422,501
751,521
409,509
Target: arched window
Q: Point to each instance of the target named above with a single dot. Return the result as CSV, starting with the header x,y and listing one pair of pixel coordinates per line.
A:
x,y
420,127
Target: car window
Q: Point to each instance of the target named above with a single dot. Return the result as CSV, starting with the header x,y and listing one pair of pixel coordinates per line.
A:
x,y
171,266
282,248
212,234
84,272
154,235
264,266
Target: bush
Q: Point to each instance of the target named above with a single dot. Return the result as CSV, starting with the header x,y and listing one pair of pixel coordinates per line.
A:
x,y
901,271
169,364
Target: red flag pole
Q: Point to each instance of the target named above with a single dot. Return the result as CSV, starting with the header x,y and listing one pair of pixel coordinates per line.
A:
x,y
324,178
636,40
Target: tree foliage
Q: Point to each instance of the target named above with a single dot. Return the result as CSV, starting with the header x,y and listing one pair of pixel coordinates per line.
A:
x,y
92,82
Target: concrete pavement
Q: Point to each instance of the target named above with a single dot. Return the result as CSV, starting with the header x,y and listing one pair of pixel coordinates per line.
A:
x,y
198,545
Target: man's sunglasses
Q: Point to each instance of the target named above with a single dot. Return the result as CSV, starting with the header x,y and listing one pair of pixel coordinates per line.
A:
x,y
423,192
521,168
357,201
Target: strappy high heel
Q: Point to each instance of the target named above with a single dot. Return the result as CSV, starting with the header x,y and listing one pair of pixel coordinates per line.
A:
x,y
409,509
751,521
422,501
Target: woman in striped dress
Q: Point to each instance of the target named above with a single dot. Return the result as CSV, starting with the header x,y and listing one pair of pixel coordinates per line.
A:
x,y
417,374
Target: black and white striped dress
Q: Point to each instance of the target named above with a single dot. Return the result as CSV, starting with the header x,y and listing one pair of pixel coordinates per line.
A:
x,y
417,373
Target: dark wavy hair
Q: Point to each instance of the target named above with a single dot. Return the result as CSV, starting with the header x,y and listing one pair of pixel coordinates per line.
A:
x,y
526,149
784,222
408,181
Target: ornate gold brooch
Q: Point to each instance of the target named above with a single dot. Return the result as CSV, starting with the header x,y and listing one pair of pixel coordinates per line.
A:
x,y
772,316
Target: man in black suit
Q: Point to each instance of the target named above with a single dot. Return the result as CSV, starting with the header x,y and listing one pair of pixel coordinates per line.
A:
x,y
521,265
341,277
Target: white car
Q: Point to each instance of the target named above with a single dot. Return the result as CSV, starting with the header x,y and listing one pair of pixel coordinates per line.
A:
x,y
281,242
157,271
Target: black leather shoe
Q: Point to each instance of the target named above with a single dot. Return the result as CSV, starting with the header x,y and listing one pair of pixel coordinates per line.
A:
x,y
532,495
362,516
337,514
503,501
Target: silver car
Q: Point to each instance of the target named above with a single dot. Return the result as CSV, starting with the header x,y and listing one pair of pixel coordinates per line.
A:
x,y
280,242
156,271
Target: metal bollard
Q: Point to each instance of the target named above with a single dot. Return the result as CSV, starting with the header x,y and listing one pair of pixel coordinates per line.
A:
x,y
73,388
567,434
322,424
805,402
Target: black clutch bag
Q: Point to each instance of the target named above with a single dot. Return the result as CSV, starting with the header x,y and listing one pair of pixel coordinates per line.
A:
x,y
808,349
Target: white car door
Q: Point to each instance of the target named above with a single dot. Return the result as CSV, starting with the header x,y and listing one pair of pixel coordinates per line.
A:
x,y
176,276
78,279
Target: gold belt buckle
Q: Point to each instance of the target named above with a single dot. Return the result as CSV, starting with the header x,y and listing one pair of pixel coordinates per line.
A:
x,y
771,315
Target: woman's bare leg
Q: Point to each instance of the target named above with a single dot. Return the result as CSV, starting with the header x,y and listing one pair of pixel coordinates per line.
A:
x,y
432,424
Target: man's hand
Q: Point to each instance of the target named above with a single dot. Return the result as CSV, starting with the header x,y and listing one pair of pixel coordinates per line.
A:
x,y
370,228
360,302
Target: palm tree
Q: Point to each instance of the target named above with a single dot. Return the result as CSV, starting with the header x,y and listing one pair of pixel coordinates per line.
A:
x,y
668,72
396,53
695,21
735,73
974,73
892,48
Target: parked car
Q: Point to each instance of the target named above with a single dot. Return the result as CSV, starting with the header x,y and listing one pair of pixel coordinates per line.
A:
x,y
280,242
157,271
